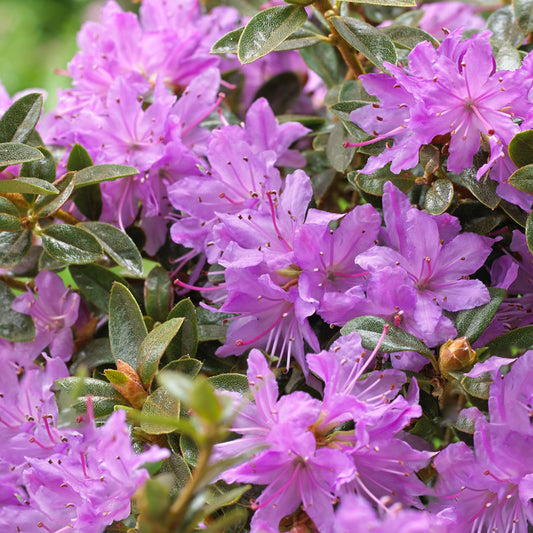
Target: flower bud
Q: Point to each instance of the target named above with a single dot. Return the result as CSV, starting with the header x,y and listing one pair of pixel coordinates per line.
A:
x,y
456,355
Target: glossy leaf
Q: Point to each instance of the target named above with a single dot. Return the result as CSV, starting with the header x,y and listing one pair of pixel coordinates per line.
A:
x,y
186,341
19,121
9,216
14,326
117,244
92,355
230,382
521,148
439,196
522,179
211,326
229,43
483,189
267,30
339,156
396,340
126,325
95,283
70,244
478,387
373,183
44,168
471,323
99,173
304,37
529,232
89,201
367,39
519,339
158,294
27,185
179,468
46,205
159,404
78,158
185,365
407,36
153,347
523,10
14,246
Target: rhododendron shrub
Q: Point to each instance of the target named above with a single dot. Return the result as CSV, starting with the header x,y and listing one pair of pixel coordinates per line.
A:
x,y
269,268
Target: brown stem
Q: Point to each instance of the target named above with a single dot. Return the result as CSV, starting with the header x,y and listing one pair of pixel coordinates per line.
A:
x,y
348,53
14,283
66,217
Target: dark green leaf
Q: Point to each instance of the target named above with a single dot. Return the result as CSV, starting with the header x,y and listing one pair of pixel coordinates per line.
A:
x,y
44,168
126,325
13,154
179,468
27,185
9,216
439,197
79,158
229,44
153,347
407,36
509,344
70,244
98,173
410,18
478,387
14,246
158,294
323,60
370,41
521,148
483,189
515,212
373,183
8,207
14,326
159,404
304,37
339,156
18,122
186,341
267,30
211,326
522,179
189,449
230,382
529,232
523,10
185,365
46,205
92,355
95,283
117,245
465,424
89,201
47,262
396,340
471,323
281,91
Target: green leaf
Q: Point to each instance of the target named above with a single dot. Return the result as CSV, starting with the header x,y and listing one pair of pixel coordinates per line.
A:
x,y
464,424
282,91
521,148
399,3
95,283
229,44
514,212
407,36
158,294
396,340
78,158
98,173
370,41
504,27
44,168
471,323
185,365
14,153
89,201
189,449
179,385
46,205
19,121
27,185
483,189
339,157
439,197
153,347
506,345
186,341
117,244
47,262
230,382
374,183
14,326
507,57
70,244
14,246
529,232
180,469
159,404
126,325
267,30
478,387
92,355
9,216
304,37
204,401
103,395
523,10
522,179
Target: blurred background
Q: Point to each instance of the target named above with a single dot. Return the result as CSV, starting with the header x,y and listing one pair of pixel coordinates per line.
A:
x,y
39,36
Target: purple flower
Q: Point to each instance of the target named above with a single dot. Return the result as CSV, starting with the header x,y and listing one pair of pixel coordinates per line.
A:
x,y
450,16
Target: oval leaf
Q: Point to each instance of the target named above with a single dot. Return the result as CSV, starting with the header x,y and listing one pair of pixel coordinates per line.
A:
x,y
44,168
510,344
529,232
522,178
126,325
158,294
229,44
396,340
28,185
14,326
117,244
46,205
231,382
78,158
14,153
267,30
523,10
370,41
14,246
373,183
159,404
186,341
521,148
439,196
407,36
99,173
70,244
19,121
153,347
